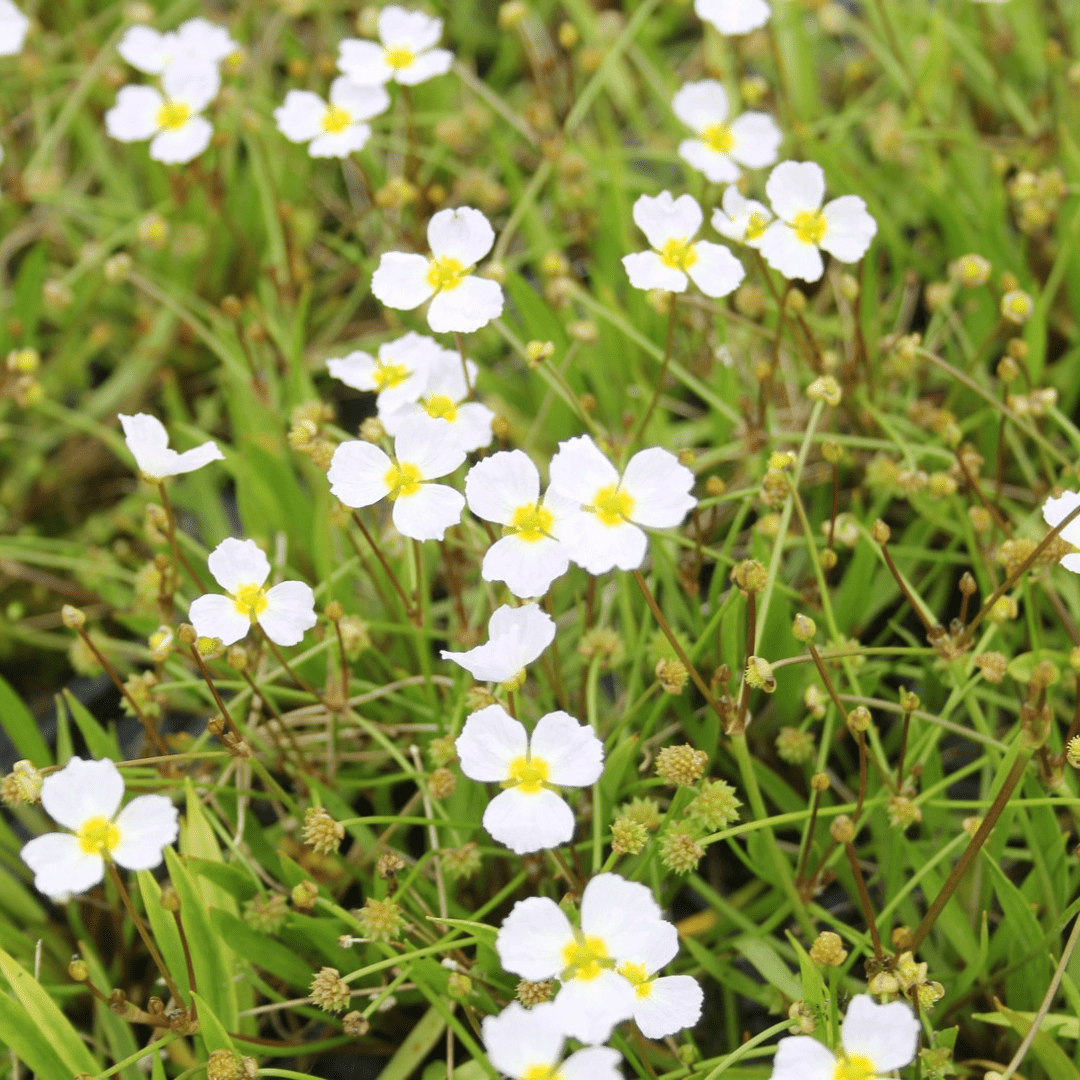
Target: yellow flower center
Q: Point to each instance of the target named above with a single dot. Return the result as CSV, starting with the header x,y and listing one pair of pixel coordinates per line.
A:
x,y
810,227
445,273
399,57
541,1072
389,374
98,836
403,479
440,407
638,976
531,523
757,225
336,119
854,1067
173,115
719,138
529,774
586,958
612,506
679,254
250,600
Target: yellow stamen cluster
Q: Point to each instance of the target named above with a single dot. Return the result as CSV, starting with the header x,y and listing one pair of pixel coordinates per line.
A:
x,y
679,254
528,774
810,227
611,505
335,120
250,601
585,958
531,523
98,836
402,479
445,274
173,115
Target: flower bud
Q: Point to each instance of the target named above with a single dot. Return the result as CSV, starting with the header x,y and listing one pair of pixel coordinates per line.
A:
x,y
72,617
859,718
750,576
803,627
880,532
355,1024
1017,306
828,950
78,969
759,674
305,894
842,830
825,388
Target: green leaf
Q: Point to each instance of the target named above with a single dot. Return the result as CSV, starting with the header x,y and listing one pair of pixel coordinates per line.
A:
x,y
100,743
766,961
262,950
416,1046
1051,1057
166,936
1060,1025
33,1045
814,992
21,727
214,1036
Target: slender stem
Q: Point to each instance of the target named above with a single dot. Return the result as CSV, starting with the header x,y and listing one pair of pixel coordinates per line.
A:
x,y
279,656
258,694
188,961
433,832
864,897
804,851
930,628
179,558
903,750
861,736
662,376
385,565
218,699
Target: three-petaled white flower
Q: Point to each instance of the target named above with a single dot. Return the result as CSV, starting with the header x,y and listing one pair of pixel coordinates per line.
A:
x,y
172,122
874,1040
284,611
13,27
516,637
670,226
196,41
404,52
84,796
335,129
529,814
1054,512
733,16
148,442
741,219
751,139
666,1004
398,374
527,1044
460,301
505,489
619,923
361,474
842,227
603,533
444,402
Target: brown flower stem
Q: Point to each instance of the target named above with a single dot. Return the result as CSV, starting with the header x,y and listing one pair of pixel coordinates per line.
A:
x,y
864,897
289,733
930,628
218,699
861,736
178,557
960,869
662,376
973,483
804,849
279,656
751,637
825,678
903,750
835,505
385,565
188,962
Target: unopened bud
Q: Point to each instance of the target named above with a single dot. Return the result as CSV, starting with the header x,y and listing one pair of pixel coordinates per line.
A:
x,y
759,674
72,617
825,388
880,532
79,969
859,718
842,830
803,627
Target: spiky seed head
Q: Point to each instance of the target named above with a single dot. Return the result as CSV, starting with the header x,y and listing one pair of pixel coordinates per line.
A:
x,y
681,765
321,832
329,990
680,852
534,993
828,950
628,837
381,920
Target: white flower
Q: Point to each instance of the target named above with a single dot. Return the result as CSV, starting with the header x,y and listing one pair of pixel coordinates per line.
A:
x,y
444,402
84,796
733,16
653,491
405,54
462,302
1054,511
505,488
875,1039
172,121
842,227
751,139
13,27
399,373
670,225
619,920
148,442
663,1005
195,42
741,219
335,129
284,611
516,637
529,814
527,1044
361,474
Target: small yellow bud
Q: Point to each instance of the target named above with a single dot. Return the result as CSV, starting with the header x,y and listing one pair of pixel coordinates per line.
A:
x,y
1017,306
803,627
759,674
828,950
825,388
842,830
536,352
972,271
880,532
72,617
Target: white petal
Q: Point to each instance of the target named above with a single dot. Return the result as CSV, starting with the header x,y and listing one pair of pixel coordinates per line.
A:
x,y
850,228
488,742
1055,511
803,1058
144,49
737,216
756,139
670,1005
433,450
467,307
340,144
60,865
528,567
360,101
472,426
424,67
656,947
716,272
527,822
400,280
200,37
300,118
590,1009
519,1039
356,370
193,82
597,547
1071,562
215,616
146,824
579,470
489,662
498,485
663,218
660,487
195,458
357,474
795,187
429,513
464,234
623,913
647,270
533,629
887,1034
411,29
592,1063
785,252
82,790
733,16
290,611
147,440
701,104
134,116
364,62
574,754
238,562
715,166
532,938
184,144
